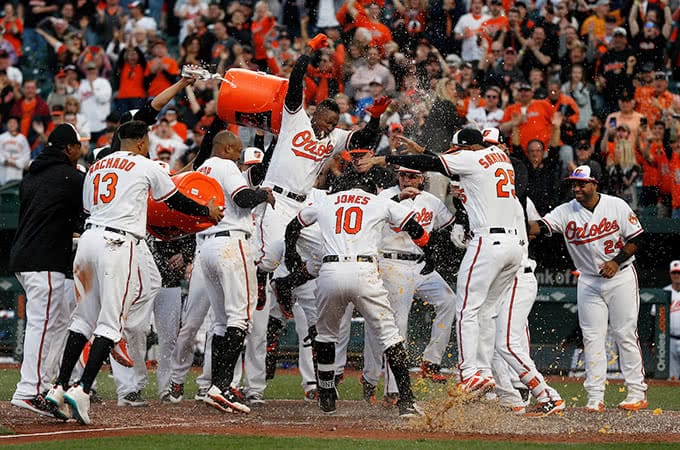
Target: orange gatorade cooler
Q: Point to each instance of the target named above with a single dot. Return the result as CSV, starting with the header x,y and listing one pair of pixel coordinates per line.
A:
x,y
167,224
252,99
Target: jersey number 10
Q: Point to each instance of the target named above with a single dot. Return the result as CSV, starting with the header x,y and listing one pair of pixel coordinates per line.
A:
x,y
348,220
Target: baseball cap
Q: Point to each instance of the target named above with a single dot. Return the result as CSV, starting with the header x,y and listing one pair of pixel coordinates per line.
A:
x,y
647,67
396,127
619,31
467,136
675,266
583,173
251,155
165,150
3,53
510,50
63,134
57,110
452,59
135,4
70,67
524,87
492,135
407,170
90,65
375,82
466,65
583,144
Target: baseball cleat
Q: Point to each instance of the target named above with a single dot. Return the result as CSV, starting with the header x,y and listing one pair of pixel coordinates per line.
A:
x,y
120,353
547,408
327,399
255,398
633,404
369,390
595,406
201,394
133,399
79,401
226,401
390,400
36,404
408,409
432,371
477,384
55,397
175,392
311,395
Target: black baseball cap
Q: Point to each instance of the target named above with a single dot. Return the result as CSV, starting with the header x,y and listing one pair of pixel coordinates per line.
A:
x,y
63,134
467,136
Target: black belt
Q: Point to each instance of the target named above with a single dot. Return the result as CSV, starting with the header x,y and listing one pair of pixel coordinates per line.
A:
x,y
497,230
674,336
229,234
297,197
112,230
528,270
359,258
403,256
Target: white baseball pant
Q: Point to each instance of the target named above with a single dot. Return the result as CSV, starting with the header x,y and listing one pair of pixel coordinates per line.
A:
x,y
137,323
344,336
484,280
615,301
674,360
47,314
512,336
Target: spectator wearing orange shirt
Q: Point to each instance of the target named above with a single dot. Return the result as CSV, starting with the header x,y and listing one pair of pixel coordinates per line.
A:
x,y
675,172
129,80
31,108
534,119
369,19
323,80
180,128
626,115
595,24
652,100
13,27
262,27
651,157
161,71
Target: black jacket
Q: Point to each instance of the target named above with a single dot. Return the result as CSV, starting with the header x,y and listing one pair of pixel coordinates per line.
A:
x,y
51,197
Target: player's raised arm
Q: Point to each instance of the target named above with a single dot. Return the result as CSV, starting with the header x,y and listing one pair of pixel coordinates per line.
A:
x,y
367,136
297,77
424,163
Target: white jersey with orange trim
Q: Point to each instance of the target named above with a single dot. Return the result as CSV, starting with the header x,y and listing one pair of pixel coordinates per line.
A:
x,y
117,188
232,181
430,213
299,156
351,221
487,180
594,237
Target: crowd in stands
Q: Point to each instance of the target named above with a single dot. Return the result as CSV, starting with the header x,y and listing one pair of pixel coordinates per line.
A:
x,y
568,82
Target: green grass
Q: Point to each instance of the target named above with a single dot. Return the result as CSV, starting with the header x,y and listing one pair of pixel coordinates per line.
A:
x,y
181,442
287,386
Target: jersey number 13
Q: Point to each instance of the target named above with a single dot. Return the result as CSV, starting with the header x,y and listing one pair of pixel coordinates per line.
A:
x,y
106,185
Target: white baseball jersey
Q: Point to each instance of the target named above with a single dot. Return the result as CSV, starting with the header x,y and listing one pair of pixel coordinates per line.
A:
x,y
430,213
232,181
487,180
351,221
117,187
596,237
675,310
16,149
299,156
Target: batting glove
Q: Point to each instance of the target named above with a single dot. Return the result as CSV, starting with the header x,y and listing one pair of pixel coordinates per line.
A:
x,y
458,236
379,107
318,42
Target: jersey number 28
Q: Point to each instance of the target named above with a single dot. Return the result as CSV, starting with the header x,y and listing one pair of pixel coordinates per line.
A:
x,y
107,185
348,220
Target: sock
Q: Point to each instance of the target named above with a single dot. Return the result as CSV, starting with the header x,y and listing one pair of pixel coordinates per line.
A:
x,y
396,357
101,347
72,350
233,346
217,359
274,328
325,354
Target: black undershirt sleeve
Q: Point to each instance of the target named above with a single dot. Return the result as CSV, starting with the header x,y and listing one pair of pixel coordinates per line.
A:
x,y
184,204
424,163
249,198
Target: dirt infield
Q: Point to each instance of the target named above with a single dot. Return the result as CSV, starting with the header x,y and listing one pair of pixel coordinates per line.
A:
x,y
354,419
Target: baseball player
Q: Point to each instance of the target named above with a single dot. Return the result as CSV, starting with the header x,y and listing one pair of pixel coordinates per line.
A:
x,y
674,287
41,255
601,233
111,256
227,265
405,274
494,253
351,223
304,143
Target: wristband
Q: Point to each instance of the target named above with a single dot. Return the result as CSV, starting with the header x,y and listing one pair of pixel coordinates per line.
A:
x,y
621,257
422,240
